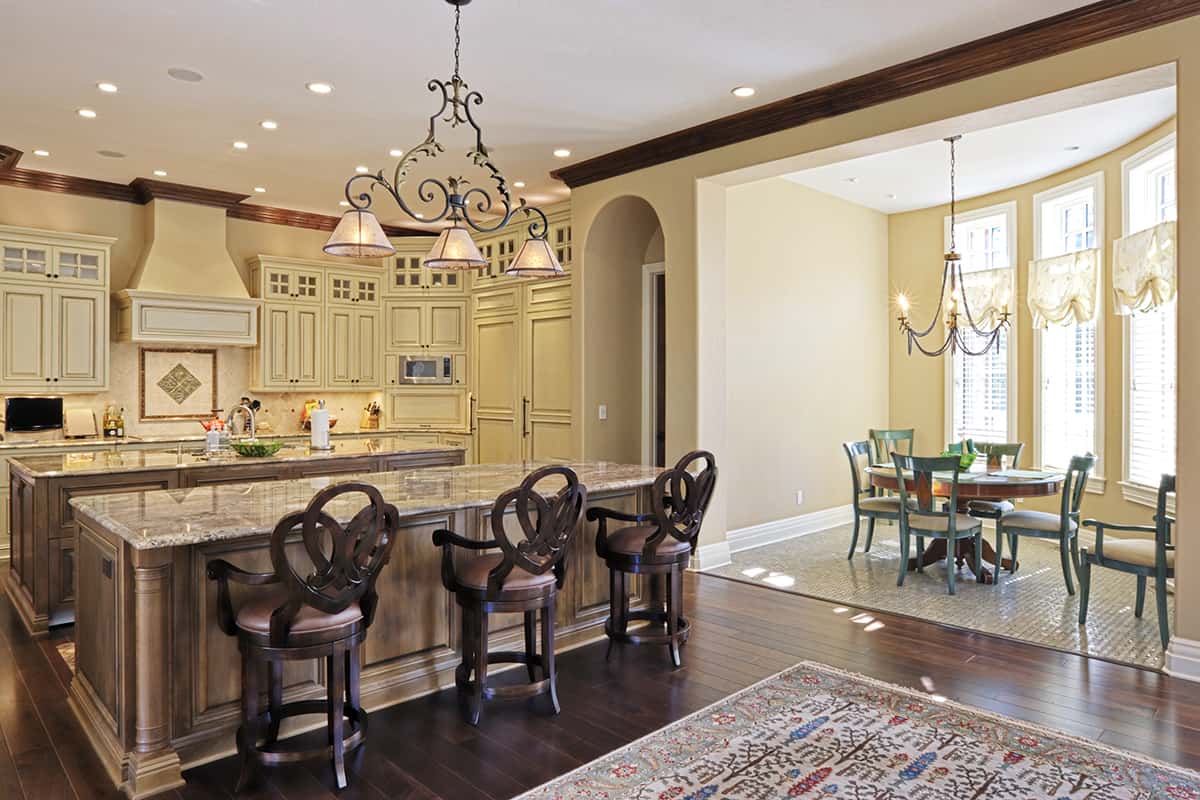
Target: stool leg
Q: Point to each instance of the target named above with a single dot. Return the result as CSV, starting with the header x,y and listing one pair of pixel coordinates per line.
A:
x,y
674,585
616,620
551,668
336,715
353,688
248,733
530,645
481,656
274,697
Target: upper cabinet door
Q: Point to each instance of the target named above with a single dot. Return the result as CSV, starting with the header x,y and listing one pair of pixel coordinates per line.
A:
x,y
79,265
80,322
368,366
446,326
404,326
275,346
24,260
407,274
305,346
340,335
439,281
287,283
27,356
560,240
353,289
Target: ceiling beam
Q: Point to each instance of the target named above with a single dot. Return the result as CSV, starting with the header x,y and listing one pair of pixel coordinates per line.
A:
x,y
1071,30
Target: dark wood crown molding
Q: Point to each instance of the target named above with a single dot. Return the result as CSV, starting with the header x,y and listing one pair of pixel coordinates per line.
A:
x,y
306,219
146,190
68,184
1061,33
9,156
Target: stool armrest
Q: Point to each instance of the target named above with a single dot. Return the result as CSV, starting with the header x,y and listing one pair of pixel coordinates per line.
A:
x,y
448,540
223,572
601,516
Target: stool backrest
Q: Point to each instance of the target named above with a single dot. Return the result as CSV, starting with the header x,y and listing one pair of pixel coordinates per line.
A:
x,y
680,497
547,525
345,559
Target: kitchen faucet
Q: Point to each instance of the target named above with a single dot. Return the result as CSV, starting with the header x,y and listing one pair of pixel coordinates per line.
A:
x,y
249,415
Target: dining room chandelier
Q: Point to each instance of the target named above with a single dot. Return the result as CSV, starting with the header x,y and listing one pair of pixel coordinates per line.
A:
x,y
953,308
359,235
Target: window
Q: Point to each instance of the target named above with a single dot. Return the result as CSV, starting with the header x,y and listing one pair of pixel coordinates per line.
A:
x,y
981,390
1150,337
1068,409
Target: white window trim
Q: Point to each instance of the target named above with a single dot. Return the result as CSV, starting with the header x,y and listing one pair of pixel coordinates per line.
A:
x,y
1009,210
1134,492
1097,483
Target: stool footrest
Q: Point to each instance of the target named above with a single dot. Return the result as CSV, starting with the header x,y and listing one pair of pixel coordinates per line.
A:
x,y
276,752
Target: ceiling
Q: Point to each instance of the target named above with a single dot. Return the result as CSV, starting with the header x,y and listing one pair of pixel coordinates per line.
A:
x,y
591,77
991,159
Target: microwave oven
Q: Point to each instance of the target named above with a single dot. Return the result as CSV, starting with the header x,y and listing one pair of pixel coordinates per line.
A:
x,y
426,368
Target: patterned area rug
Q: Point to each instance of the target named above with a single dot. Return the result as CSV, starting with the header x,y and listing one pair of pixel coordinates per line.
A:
x,y
67,651
817,732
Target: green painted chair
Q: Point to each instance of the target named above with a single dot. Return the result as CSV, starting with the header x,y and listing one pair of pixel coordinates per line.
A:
x,y
993,509
891,440
1141,557
867,503
920,519
1063,527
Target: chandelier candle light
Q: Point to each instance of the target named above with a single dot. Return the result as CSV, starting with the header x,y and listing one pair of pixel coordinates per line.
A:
x,y
953,301
359,234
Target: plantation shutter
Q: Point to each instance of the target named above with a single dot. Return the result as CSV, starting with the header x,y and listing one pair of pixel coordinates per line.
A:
x,y
1152,395
981,393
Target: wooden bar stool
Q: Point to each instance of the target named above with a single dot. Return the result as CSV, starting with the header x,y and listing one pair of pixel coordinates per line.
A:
x,y
660,543
324,604
524,577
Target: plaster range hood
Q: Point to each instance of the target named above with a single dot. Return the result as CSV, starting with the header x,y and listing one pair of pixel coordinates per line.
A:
x,y
186,289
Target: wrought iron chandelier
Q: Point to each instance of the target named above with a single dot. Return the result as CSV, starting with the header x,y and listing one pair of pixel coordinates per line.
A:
x,y
954,301
359,234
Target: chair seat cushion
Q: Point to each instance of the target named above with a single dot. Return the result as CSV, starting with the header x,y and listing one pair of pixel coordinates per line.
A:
x,y
933,522
255,616
632,541
1139,552
990,508
1035,521
890,505
474,575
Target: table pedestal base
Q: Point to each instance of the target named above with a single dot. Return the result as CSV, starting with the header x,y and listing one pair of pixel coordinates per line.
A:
x,y
964,554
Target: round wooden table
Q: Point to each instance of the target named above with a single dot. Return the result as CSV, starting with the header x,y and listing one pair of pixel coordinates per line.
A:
x,y
971,486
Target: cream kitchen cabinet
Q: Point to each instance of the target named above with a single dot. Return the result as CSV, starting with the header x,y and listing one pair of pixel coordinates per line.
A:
x,y
409,276
436,326
353,358
427,408
288,280
499,249
352,288
54,337
289,355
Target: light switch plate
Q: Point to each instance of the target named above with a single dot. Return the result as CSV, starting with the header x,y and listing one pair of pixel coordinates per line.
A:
x,y
603,411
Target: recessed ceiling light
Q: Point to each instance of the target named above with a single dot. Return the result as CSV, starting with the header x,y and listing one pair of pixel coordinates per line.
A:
x,y
260,189
268,124
319,87
105,86
891,197
851,180
742,91
42,153
240,145
562,152
86,113
184,74
362,170
162,173
1071,147
518,184
110,153
345,203
395,152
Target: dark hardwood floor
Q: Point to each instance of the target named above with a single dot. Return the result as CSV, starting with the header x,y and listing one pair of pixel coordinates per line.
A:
x,y
741,633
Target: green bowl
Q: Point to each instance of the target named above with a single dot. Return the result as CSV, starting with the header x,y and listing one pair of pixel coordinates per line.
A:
x,y
965,460
256,448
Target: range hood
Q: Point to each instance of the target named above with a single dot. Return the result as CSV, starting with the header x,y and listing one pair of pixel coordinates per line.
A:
x,y
186,289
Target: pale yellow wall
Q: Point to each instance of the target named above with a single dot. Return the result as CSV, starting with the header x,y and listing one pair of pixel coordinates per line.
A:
x,y
806,297
917,384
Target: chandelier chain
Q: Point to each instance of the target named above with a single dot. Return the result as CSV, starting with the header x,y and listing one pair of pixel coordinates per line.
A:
x,y
953,165
457,38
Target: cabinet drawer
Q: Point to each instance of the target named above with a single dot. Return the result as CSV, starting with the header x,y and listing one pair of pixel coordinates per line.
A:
x,y
506,300
427,408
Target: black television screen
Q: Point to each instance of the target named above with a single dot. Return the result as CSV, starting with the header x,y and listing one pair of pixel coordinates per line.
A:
x,y
33,413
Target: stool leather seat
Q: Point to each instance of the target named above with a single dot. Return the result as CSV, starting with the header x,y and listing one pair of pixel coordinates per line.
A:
x,y
255,616
474,575
632,541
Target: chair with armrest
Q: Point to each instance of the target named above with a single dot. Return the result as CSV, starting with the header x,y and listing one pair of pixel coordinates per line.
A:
x,y
1141,557
919,518
866,500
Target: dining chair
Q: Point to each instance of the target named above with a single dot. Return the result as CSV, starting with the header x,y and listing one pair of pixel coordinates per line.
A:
x,y
524,577
993,452
867,503
920,518
889,440
1141,557
1062,527
322,603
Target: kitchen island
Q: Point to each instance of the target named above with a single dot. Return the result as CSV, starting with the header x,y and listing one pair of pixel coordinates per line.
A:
x,y
41,578
157,684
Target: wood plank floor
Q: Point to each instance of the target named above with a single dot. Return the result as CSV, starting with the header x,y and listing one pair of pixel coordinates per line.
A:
x,y
741,634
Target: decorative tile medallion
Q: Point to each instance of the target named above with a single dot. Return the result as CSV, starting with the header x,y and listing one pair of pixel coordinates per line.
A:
x,y
179,384
817,732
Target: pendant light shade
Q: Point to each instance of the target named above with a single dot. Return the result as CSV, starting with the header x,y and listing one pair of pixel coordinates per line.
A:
x,y
359,235
535,260
454,249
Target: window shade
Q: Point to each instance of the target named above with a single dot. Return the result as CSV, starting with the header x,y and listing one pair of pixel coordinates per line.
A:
x,y
1144,269
1151,409
1063,289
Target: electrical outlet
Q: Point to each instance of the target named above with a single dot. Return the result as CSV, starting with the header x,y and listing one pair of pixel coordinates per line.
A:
x,y
799,497
603,411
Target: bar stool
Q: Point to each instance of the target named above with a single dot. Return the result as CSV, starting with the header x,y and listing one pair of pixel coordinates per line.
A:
x,y
322,609
523,577
657,544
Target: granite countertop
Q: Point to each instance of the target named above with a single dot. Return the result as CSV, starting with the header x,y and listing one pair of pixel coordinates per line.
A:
x,y
110,461
181,517
99,442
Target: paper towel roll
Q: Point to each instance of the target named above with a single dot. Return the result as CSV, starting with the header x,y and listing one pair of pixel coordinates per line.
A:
x,y
319,421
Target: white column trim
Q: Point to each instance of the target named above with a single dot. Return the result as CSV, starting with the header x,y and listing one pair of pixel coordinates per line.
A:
x,y
1183,659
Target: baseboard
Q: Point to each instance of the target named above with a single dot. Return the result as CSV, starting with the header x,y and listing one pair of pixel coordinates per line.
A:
x,y
781,530
1183,659
711,556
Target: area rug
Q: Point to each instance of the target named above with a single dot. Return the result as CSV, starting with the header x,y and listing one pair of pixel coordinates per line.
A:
x,y
817,732
66,650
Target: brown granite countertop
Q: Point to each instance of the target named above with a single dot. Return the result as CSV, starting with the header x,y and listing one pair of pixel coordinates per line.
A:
x,y
111,461
181,517
102,443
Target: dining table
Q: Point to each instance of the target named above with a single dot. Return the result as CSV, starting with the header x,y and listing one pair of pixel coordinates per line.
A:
x,y
978,484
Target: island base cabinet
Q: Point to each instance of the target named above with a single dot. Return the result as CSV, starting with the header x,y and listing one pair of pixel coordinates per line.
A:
x,y
157,687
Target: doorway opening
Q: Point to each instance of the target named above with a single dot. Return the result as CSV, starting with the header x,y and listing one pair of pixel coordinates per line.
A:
x,y
654,364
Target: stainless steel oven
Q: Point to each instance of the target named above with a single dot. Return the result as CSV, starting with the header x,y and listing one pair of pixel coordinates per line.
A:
x,y
426,368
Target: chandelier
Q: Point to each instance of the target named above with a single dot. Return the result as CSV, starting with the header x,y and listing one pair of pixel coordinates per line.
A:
x,y
359,234
953,300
